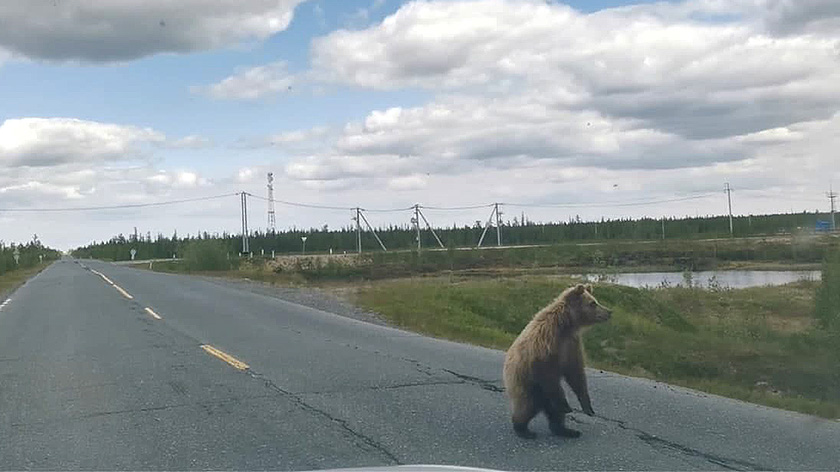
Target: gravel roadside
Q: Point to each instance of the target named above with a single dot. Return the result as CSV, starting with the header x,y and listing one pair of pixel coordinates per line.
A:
x,y
312,297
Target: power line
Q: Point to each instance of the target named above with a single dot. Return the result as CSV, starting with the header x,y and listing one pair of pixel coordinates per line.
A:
x,y
608,204
303,205
328,207
469,207
387,210
119,207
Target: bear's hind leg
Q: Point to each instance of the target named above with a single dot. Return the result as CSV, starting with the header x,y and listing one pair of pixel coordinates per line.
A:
x,y
524,409
558,428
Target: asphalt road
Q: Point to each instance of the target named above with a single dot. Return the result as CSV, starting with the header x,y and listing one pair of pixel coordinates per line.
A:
x,y
89,379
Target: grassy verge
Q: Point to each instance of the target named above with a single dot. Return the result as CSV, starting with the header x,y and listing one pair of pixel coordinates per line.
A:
x,y
246,271
759,344
10,281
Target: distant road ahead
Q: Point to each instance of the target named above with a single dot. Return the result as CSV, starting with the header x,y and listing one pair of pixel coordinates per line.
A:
x,y
108,367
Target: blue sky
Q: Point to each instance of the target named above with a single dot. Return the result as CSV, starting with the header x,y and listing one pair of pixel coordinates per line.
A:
x,y
387,103
120,93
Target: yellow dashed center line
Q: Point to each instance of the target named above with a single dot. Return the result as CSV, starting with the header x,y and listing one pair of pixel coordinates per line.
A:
x,y
154,315
123,292
225,357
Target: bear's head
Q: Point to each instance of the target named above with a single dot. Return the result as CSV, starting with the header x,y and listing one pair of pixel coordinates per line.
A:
x,y
583,308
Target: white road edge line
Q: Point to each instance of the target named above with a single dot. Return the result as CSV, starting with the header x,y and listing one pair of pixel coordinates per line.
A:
x,y
111,282
123,292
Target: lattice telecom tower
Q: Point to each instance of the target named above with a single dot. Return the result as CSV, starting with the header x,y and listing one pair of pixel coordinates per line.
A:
x,y
271,220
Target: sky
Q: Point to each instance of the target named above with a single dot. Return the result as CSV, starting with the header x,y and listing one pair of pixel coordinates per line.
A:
x,y
597,109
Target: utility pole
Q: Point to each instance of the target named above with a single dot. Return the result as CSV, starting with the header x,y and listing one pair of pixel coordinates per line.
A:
x,y
244,213
416,221
494,213
728,190
357,219
831,197
271,219
498,225
663,227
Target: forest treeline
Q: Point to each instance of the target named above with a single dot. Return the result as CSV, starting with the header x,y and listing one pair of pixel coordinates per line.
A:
x,y
29,255
519,231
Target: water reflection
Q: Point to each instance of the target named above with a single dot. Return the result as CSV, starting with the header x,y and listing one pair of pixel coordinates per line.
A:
x,y
705,279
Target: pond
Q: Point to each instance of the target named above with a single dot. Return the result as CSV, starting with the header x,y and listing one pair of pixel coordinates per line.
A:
x,y
723,278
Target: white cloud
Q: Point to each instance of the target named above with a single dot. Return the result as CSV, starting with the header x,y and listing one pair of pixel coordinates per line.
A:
x,y
192,141
79,184
695,78
409,182
792,16
45,190
245,174
459,133
177,179
703,88
251,84
104,31
41,142
778,17
298,136
326,168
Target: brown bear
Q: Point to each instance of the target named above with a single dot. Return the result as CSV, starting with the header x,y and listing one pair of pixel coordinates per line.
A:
x,y
547,350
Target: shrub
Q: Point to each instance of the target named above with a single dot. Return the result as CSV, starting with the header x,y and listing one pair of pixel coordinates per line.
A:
x,y
827,303
205,254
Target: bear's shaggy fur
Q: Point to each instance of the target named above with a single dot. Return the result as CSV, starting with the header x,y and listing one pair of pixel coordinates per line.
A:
x,y
547,350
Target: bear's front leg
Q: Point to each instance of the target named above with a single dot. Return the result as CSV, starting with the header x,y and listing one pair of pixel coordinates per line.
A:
x,y
576,377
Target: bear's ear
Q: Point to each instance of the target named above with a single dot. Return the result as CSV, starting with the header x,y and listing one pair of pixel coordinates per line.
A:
x,y
588,287
579,289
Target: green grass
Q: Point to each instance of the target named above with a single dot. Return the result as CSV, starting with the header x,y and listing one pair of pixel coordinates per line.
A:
x,y
759,344
9,281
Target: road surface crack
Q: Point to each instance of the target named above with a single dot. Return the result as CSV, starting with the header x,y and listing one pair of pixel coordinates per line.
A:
x,y
377,388
485,384
657,442
418,366
366,442
149,409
